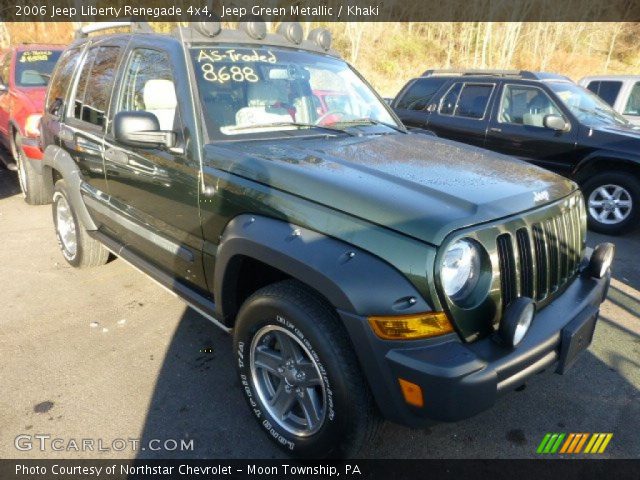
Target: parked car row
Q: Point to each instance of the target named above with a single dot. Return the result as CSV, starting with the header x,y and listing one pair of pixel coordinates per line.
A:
x,y
542,118
365,271
24,75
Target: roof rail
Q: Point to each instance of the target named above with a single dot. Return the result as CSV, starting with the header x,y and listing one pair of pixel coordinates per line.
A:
x,y
481,72
84,31
524,74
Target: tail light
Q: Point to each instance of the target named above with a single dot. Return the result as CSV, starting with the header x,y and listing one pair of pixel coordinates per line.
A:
x,y
32,126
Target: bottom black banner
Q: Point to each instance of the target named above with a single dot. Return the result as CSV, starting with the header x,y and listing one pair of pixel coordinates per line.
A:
x,y
283,469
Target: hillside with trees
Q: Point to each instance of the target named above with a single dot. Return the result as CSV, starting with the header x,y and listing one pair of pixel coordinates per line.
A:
x,y
390,53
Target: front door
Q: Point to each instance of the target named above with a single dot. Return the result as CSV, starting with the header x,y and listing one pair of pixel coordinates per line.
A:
x,y
155,190
517,128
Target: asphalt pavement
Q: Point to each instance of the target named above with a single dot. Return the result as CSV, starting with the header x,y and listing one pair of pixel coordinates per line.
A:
x,y
105,355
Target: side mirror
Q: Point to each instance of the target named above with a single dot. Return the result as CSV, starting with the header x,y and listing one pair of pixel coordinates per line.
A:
x,y
141,129
555,122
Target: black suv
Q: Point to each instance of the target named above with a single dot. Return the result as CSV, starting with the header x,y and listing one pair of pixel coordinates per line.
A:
x,y
361,268
542,118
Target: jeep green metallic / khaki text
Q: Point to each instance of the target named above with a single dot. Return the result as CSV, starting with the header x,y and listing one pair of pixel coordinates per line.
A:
x,y
365,272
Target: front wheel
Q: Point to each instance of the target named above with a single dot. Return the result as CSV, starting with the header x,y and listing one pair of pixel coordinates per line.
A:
x,y
300,374
613,202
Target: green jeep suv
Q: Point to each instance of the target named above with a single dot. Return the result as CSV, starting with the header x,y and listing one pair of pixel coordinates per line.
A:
x,y
365,272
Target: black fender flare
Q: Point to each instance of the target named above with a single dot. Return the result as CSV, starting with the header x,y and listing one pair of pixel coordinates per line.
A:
x,y
351,279
60,160
598,155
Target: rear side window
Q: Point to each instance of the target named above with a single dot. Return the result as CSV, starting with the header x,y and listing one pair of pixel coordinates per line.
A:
x,y
468,100
95,85
419,94
473,100
633,104
607,90
61,80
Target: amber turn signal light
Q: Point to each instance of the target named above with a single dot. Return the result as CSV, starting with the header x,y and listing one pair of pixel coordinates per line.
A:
x,y
411,327
411,392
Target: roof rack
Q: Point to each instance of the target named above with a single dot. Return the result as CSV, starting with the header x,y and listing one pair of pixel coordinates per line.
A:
x,y
524,74
84,31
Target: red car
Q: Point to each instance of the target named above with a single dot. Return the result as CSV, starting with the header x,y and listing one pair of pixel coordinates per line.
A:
x,y
24,75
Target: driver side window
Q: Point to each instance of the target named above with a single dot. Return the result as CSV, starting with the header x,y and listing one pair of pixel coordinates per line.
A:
x,y
149,87
527,106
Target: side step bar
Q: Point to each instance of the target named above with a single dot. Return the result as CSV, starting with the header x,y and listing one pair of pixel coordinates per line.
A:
x,y
199,303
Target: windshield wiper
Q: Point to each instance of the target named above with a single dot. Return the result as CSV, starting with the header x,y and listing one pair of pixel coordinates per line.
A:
x,y
373,121
595,113
290,124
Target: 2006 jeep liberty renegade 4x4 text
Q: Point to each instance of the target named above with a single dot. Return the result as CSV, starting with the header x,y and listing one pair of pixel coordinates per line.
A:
x,y
365,272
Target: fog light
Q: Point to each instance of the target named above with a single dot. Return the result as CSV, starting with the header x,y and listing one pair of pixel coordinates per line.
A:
x,y
601,259
516,321
411,327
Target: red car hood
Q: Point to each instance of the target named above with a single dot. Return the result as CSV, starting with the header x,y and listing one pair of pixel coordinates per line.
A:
x,y
34,97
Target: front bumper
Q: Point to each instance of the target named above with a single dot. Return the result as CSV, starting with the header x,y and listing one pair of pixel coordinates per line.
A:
x,y
459,380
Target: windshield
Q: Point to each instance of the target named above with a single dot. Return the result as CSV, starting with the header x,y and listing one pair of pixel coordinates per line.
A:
x,y
586,106
249,91
34,67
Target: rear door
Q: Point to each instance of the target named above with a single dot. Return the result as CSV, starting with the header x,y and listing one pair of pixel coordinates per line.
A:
x,y
517,128
463,112
412,105
82,133
155,190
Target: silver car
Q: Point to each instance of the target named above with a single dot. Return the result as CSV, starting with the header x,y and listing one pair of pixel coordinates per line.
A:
x,y
622,92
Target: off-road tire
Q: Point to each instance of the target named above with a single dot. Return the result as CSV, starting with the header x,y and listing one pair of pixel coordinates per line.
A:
x,y
628,182
351,419
89,252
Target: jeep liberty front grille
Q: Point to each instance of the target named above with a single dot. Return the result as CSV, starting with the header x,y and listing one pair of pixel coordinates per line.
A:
x,y
537,260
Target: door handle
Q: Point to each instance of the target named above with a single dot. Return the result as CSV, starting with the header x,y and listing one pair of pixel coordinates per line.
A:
x,y
495,129
116,156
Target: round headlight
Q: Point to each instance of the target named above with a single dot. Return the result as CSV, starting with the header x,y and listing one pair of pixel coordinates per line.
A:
x,y
460,268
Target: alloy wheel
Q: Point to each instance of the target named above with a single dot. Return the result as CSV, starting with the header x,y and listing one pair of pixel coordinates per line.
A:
x,y
288,381
66,228
610,204
22,173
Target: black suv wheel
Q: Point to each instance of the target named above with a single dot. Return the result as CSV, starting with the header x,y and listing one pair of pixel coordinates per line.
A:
x,y
300,375
613,202
78,248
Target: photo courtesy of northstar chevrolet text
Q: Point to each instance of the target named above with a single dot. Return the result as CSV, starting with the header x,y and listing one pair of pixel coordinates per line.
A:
x,y
351,230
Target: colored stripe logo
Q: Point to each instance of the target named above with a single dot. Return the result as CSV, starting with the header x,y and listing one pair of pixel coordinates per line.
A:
x,y
574,443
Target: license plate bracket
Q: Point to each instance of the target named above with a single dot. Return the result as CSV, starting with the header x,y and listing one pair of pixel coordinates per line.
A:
x,y
575,337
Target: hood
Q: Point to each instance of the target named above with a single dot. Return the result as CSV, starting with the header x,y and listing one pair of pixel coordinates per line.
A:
x,y
419,185
631,131
32,97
